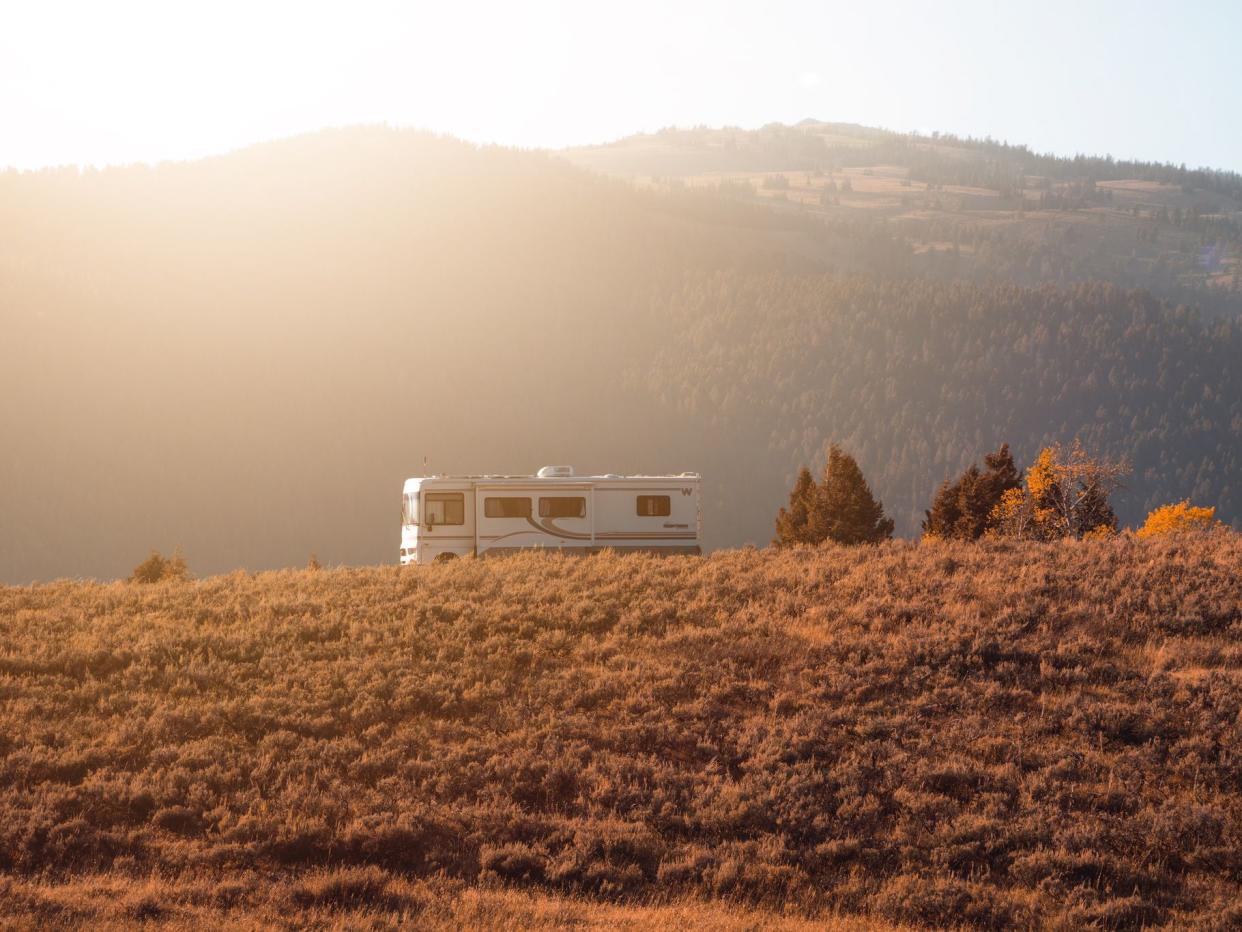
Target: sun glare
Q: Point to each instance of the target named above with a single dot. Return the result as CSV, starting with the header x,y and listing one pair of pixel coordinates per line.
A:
x,y
97,83
147,81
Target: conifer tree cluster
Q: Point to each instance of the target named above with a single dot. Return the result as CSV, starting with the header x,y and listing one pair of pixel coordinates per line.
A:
x,y
963,509
1065,493
839,508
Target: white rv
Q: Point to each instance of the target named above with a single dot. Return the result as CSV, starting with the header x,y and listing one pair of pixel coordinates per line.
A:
x,y
449,516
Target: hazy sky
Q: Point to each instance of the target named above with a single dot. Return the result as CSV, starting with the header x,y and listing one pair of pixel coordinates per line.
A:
x,y
121,81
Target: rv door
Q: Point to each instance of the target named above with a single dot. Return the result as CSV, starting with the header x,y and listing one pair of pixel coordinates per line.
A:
x,y
566,516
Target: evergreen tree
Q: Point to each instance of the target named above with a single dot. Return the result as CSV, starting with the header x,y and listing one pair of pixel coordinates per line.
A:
x,y
847,512
943,518
793,525
963,509
1002,474
976,502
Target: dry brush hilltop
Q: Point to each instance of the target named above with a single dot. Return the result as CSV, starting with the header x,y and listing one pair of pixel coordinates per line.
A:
x,y
934,734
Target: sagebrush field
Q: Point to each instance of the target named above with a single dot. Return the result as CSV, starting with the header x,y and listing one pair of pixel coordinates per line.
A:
x,y
936,734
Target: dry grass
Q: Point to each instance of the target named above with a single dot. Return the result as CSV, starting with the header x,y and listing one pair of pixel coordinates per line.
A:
x,y
937,735
368,898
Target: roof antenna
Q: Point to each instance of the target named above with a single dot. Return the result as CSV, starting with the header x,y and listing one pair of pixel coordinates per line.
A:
x,y
424,465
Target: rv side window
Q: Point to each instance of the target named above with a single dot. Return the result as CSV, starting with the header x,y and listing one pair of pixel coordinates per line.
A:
x,y
409,509
655,506
506,507
444,508
562,507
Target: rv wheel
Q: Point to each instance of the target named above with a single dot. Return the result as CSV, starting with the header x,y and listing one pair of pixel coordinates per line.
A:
x,y
445,557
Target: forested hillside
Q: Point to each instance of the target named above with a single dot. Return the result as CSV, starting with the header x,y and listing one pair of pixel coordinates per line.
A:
x,y
922,378
244,356
944,207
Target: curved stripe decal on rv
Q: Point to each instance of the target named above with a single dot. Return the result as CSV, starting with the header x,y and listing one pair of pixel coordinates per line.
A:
x,y
601,536
546,525
544,531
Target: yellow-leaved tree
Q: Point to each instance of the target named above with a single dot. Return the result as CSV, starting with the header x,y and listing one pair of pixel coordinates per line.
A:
x,y
1065,495
1178,519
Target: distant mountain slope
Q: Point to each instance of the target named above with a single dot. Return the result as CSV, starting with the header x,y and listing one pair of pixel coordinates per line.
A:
x,y
245,355
920,379
973,209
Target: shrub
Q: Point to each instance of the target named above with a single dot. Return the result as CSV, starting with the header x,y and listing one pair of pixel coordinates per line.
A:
x,y
347,888
158,568
179,820
514,861
145,908
1178,519
941,903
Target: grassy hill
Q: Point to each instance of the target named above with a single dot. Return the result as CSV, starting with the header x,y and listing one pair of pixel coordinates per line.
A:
x,y
926,734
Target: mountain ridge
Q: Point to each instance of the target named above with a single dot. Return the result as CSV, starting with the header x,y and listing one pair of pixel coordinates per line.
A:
x,y
246,356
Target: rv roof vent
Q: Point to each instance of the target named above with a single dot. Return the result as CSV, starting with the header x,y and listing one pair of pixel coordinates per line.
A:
x,y
551,472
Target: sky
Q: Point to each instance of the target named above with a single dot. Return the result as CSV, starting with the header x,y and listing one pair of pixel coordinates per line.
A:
x,y
92,83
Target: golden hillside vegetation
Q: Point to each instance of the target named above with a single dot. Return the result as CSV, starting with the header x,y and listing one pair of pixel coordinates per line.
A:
x,y
937,734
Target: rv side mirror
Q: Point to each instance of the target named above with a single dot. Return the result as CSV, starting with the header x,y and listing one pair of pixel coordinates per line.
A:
x,y
431,522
